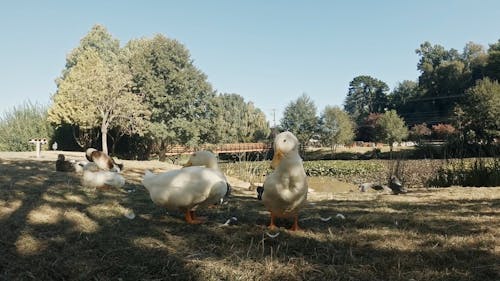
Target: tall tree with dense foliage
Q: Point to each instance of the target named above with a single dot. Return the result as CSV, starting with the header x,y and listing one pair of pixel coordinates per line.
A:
x,y
254,124
492,68
95,93
336,127
392,128
402,99
99,40
403,92
481,110
239,121
444,77
366,95
178,94
299,117
475,59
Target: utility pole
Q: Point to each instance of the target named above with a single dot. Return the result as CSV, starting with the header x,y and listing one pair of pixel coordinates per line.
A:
x,y
274,116
274,129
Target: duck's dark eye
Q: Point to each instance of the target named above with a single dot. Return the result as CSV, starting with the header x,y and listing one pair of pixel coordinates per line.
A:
x,y
284,140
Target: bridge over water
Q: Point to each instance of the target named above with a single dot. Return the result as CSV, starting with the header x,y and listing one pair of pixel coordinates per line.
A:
x,y
230,148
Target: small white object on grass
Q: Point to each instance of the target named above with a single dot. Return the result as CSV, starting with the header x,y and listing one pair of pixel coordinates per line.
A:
x,y
340,216
130,215
229,221
272,235
325,219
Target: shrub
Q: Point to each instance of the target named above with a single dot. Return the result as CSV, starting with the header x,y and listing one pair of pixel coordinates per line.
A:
x,y
479,172
20,124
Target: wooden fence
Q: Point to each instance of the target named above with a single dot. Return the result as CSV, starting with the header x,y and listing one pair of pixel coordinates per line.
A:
x,y
221,148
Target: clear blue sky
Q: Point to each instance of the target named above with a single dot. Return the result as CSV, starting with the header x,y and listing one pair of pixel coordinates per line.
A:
x,y
269,52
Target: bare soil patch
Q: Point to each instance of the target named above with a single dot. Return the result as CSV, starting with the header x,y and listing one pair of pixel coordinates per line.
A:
x,y
52,228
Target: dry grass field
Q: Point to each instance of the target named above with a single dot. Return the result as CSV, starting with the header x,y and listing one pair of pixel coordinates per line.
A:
x,y
53,228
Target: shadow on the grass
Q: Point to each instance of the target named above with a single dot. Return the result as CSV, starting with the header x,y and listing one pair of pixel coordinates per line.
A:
x,y
58,233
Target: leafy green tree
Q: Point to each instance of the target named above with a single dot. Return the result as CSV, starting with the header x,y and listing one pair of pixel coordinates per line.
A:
x,y
336,127
444,77
227,106
493,64
239,121
402,93
179,96
481,110
254,124
22,123
402,99
299,117
99,40
94,93
392,128
366,95
475,59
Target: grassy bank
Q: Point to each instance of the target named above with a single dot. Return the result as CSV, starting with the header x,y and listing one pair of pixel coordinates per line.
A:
x,y
55,229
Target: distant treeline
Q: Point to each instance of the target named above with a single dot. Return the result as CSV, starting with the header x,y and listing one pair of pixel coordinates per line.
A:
x,y
139,99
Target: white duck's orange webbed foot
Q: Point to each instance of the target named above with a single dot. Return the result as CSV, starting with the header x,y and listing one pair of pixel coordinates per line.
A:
x,y
295,226
192,219
272,226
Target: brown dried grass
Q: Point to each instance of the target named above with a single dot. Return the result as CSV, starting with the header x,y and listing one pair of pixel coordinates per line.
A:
x,y
52,228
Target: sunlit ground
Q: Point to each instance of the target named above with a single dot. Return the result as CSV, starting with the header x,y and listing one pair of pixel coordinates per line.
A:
x,y
52,228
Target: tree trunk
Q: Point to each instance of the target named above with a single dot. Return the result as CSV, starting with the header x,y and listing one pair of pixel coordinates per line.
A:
x,y
162,152
104,132
85,137
115,140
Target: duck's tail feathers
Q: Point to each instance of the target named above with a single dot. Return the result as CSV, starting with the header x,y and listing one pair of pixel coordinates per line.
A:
x,y
148,175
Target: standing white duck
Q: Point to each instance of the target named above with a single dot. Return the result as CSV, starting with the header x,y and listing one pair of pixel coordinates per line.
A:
x,y
188,188
93,176
285,189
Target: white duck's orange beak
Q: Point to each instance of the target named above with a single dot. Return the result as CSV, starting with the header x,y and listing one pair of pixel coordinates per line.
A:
x,y
278,155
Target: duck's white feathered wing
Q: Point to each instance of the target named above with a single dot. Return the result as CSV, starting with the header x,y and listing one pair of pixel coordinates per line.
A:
x,y
185,188
103,178
284,195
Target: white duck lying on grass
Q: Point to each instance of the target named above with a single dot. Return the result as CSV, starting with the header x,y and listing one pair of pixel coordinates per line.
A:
x,y
97,178
285,189
102,160
190,187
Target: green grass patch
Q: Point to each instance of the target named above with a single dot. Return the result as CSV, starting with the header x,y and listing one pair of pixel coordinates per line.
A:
x,y
340,169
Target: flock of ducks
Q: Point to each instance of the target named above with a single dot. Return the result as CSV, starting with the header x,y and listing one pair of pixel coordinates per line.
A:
x,y
200,183
99,171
